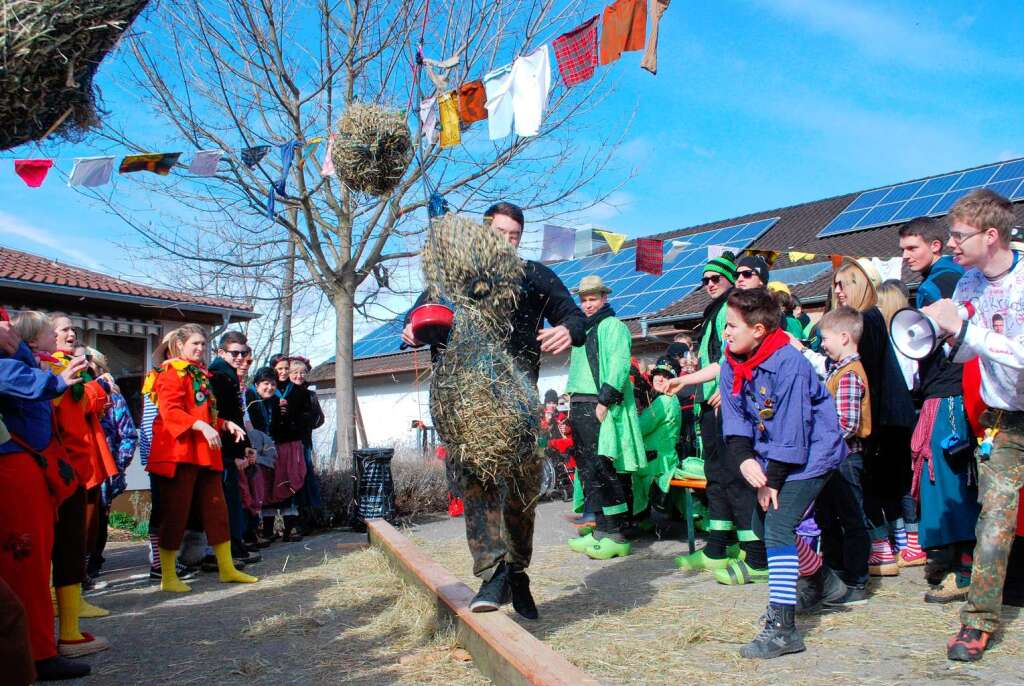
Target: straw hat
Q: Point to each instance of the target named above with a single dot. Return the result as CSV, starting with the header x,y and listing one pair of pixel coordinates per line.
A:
x,y
592,284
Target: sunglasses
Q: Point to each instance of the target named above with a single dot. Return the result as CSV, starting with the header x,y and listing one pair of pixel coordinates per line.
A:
x,y
238,353
745,274
711,279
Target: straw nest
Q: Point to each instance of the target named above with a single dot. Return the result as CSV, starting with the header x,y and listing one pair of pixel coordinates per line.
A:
x,y
481,400
52,49
372,148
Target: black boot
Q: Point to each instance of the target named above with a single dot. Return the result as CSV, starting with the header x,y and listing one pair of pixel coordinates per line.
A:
x,y
809,592
778,637
291,528
494,592
268,528
59,668
241,553
522,600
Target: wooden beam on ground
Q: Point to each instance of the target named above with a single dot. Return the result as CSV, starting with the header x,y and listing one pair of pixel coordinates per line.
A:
x,y
502,650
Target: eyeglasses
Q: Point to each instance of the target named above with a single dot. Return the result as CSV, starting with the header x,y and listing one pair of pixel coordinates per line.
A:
x,y
959,237
711,279
745,274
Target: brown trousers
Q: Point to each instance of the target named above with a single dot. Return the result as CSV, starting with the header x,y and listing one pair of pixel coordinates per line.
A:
x,y
192,483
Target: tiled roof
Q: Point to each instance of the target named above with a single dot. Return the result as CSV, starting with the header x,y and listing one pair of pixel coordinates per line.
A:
x,y
409,360
16,265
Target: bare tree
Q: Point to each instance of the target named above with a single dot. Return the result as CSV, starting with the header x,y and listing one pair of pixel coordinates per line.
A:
x,y
233,74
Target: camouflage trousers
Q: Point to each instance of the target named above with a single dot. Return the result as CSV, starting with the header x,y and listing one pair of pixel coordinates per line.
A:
x,y
499,517
1000,479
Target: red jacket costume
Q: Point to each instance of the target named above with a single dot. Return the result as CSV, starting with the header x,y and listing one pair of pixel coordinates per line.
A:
x,y
78,423
182,395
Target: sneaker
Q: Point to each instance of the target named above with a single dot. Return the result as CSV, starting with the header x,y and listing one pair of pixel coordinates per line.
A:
x,y
968,645
522,600
854,596
739,573
778,637
812,591
87,645
949,591
494,592
606,548
59,668
184,573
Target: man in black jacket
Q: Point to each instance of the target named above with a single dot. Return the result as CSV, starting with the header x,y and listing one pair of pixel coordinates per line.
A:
x,y
499,520
226,391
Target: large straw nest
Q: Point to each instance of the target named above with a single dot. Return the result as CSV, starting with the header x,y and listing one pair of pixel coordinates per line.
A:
x,y
481,399
372,148
51,51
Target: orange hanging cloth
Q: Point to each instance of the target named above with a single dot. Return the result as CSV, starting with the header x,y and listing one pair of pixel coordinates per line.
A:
x,y
472,102
624,29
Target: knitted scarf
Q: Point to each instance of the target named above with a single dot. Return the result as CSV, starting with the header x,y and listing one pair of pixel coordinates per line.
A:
x,y
743,370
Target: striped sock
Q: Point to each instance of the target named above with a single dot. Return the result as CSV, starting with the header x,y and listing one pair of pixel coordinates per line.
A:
x,y
881,552
783,569
913,545
154,551
900,535
810,561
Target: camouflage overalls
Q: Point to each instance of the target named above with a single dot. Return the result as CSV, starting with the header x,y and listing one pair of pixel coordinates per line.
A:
x,y
1000,479
499,516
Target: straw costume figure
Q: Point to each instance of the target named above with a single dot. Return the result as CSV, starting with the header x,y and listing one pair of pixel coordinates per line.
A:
x,y
484,386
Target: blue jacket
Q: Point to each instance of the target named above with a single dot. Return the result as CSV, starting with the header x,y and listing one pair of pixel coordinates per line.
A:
x,y
939,282
25,395
803,430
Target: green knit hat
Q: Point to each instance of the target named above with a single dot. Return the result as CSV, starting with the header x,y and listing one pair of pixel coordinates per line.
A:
x,y
724,264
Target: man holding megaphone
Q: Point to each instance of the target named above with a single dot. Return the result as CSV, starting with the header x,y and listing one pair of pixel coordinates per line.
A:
x,y
981,224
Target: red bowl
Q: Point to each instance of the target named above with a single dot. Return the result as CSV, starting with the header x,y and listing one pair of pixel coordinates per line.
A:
x,y
431,323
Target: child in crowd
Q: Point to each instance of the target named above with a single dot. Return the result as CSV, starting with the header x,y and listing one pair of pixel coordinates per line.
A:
x,y
781,428
659,424
839,509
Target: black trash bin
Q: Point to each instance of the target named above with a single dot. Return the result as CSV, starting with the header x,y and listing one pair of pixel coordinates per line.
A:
x,y
373,493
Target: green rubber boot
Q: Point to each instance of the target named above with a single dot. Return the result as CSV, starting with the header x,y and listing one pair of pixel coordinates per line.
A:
x,y
606,549
698,561
581,543
585,531
738,573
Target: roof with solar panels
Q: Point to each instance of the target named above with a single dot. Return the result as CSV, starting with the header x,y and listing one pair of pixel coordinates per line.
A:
x,y
860,224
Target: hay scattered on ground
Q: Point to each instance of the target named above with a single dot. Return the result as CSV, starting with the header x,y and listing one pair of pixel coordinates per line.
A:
x,y
52,49
372,148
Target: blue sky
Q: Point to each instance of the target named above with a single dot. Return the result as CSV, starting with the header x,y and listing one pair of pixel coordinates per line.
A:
x,y
757,104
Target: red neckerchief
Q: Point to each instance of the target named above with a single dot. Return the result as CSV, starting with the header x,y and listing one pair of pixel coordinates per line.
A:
x,y
47,357
743,370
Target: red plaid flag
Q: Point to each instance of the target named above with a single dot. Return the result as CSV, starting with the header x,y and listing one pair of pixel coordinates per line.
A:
x,y
649,256
576,52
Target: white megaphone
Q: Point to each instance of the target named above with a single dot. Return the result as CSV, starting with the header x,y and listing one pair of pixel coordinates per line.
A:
x,y
915,334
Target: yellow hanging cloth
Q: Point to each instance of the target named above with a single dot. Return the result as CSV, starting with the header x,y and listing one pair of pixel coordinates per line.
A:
x,y
448,104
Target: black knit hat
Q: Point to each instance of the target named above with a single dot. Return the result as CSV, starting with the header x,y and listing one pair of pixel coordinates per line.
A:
x,y
550,396
676,350
757,264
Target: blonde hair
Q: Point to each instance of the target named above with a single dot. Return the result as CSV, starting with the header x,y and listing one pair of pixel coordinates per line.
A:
x,y
30,324
860,292
984,209
179,336
890,300
842,319
98,359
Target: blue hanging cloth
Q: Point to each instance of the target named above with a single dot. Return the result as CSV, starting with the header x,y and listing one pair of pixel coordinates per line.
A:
x,y
278,187
438,206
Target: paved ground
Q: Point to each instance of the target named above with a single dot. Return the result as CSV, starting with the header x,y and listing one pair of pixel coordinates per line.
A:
x,y
639,620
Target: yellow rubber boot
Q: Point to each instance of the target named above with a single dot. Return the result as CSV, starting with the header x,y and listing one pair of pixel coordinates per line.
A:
x,y
87,610
226,568
69,600
169,580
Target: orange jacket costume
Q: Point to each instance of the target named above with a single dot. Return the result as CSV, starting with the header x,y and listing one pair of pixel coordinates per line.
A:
x,y
77,415
182,396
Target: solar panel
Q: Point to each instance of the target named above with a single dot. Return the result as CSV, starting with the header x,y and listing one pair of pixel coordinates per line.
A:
x,y
934,197
804,273
635,293
383,340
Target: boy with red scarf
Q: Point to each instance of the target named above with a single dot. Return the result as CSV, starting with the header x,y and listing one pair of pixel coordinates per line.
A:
x,y
781,427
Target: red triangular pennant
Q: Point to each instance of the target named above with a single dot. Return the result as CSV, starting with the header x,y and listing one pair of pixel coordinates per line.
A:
x,y
32,172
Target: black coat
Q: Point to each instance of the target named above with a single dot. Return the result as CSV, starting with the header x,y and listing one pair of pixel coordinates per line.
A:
x,y
891,402
545,298
228,396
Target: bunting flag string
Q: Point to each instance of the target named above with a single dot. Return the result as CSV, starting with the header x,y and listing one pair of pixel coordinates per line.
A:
x,y
159,163
90,172
205,162
32,172
614,240
796,256
677,248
